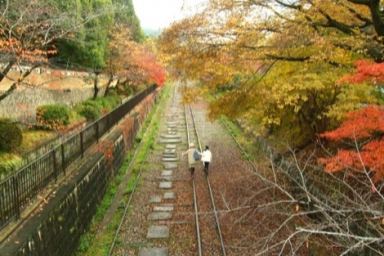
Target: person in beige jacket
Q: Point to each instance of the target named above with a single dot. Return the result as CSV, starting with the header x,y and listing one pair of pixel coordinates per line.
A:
x,y
191,160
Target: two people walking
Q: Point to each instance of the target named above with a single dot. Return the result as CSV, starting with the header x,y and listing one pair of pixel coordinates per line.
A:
x,y
206,158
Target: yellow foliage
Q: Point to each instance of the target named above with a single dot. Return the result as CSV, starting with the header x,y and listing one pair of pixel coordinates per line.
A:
x,y
271,64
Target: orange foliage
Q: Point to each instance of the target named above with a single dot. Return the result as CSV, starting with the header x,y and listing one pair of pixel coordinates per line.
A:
x,y
370,156
366,124
144,67
131,61
155,71
366,70
359,124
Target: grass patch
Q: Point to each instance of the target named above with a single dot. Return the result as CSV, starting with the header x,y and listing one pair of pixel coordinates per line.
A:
x,y
75,117
32,138
9,163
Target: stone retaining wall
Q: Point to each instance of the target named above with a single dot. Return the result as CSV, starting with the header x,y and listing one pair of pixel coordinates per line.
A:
x,y
20,106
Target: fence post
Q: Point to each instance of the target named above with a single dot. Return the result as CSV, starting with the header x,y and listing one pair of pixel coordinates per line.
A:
x,y
81,144
62,159
109,122
97,131
16,193
54,164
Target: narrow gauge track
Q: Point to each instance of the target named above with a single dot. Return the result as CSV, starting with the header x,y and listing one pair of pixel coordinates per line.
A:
x,y
208,232
209,236
126,208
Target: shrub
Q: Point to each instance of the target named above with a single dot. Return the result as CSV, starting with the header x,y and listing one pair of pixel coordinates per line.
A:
x,y
90,110
112,93
110,102
53,117
125,89
10,135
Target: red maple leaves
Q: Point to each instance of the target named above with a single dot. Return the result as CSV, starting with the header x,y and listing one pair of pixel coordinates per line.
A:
x,y
360,124
152,68
363,130
132,62
366,71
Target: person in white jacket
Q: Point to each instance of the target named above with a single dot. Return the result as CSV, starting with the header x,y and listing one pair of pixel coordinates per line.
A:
x,y
206,158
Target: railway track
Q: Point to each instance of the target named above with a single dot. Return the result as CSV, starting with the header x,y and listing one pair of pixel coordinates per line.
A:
x,y
194,212
209,235
212,214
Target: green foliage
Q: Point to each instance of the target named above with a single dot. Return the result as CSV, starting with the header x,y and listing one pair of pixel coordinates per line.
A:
x,y
128,17
110,102
112,93
90,109
93,109
378,92
10,135
89,45
53,117
125,89
75,117
9,163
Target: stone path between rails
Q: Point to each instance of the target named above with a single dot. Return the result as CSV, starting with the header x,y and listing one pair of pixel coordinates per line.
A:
x,y
163,204
162,210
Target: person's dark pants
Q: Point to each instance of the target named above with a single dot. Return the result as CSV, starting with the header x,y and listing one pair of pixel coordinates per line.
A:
x,y
206,166
192,170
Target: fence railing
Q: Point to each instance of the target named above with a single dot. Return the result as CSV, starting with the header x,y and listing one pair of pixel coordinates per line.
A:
x,y
18,190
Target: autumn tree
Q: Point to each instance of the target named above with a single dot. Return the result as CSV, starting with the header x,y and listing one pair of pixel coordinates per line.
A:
x,y
362,134
30,29
268,60
284,57
140,65
360,138
131,63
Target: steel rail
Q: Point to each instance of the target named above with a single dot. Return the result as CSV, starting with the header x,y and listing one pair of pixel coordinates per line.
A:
x,y
130,166
199,247
210,192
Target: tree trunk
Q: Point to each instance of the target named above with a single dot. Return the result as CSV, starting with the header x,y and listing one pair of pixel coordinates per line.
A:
x,y
6,69
107,88
8,92
95,87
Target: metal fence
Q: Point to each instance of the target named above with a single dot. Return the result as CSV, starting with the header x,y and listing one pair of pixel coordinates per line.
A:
x,y
18,190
